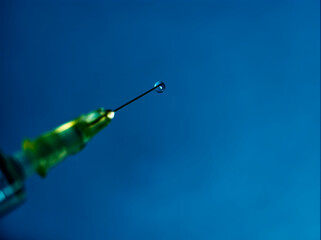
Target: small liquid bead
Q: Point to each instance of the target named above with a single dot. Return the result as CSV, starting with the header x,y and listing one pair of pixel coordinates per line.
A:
x,y
161,87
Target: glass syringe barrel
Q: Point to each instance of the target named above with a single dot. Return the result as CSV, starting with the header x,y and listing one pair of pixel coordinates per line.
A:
x,y
12,190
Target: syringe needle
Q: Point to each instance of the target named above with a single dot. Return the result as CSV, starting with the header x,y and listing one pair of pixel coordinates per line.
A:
x,y
158,87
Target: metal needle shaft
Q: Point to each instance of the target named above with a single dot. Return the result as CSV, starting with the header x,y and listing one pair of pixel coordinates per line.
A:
x,y
135,98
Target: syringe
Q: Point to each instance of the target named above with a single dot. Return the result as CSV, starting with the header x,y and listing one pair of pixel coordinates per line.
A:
x,y
46,151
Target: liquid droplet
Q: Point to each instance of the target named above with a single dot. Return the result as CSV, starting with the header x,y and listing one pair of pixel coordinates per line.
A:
x,y
161,87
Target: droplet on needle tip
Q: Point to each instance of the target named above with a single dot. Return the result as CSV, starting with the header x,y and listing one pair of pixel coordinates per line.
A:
x,y
160,87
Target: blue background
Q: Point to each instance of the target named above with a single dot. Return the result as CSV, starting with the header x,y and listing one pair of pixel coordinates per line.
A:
x,y
231,150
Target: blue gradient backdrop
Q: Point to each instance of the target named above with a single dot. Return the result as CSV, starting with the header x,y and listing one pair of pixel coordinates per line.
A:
x,y
230,151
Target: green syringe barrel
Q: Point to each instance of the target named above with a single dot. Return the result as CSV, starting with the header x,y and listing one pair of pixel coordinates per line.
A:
x,y
46,151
